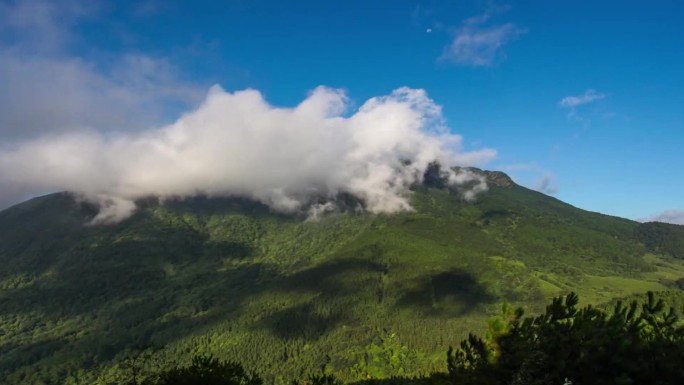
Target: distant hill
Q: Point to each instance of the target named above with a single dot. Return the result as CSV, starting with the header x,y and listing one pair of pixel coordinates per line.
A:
x,y
662,238
350,293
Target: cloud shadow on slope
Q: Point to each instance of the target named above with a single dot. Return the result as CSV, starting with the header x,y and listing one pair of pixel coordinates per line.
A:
x,y
448,294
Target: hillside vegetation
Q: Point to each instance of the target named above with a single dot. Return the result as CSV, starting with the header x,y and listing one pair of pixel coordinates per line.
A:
x,y
358,295
641,342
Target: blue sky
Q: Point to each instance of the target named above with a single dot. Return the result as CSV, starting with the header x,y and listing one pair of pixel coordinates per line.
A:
x,y
581,100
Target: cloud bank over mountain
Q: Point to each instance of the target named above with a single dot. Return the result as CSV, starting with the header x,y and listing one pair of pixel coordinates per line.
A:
x,y
237,144
90,124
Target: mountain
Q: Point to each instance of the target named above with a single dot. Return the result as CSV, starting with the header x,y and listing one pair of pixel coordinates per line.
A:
x,y
349,292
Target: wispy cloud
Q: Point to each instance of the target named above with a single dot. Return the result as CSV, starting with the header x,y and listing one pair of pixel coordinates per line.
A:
x,y
46,88
574,103
532,176
42,25
589,96
668,216
545,185
478,43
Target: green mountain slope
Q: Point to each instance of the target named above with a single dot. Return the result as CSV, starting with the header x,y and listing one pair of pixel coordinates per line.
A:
x,y
355,294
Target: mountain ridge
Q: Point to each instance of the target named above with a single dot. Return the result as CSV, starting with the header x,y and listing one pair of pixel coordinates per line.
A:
x,y
228,276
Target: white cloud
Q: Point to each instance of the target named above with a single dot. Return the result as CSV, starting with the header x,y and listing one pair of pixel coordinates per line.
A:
x,y
91,126
668,216
589,96
236,144
477,44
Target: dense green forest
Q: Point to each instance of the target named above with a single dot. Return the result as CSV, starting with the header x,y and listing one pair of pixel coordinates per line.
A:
x,y
348,294
635,342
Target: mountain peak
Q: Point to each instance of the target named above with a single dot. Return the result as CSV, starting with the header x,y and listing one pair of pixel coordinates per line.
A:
x,y
496,178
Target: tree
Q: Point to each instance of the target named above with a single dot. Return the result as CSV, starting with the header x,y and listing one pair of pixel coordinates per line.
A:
x,y
584,346
206,370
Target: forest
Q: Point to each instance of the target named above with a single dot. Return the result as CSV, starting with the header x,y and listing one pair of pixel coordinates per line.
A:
x,y
635,342
350,295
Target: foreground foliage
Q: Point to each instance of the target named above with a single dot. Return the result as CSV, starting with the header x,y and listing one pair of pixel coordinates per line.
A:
x,y
206,371
631,345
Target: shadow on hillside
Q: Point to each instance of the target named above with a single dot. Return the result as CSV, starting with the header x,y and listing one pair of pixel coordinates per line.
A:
x,y
448,294
28,353
201,205
333,287
331,277
126,287
494,214
104,306
432,379
306,321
